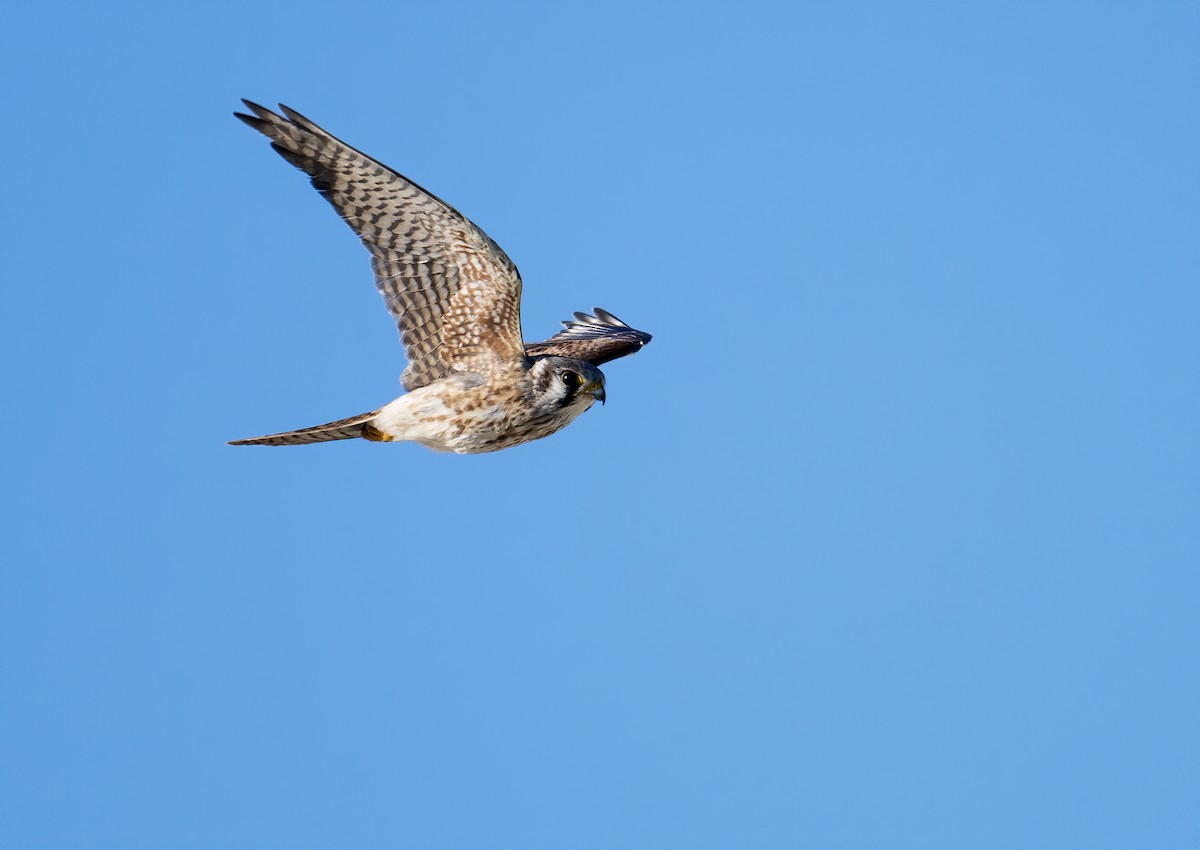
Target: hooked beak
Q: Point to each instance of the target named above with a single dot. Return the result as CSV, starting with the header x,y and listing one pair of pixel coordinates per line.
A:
x,y
596,390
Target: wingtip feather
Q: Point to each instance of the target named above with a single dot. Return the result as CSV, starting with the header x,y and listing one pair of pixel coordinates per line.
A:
x,y
260,111
298,119
251,121
607,317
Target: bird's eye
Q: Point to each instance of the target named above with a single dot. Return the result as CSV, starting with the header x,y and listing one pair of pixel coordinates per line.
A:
x,y
572,379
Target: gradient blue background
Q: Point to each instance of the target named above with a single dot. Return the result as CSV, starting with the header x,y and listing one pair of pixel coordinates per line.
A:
x,y
887,540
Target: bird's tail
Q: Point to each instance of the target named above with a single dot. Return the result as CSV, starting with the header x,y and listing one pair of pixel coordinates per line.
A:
x,y
343,429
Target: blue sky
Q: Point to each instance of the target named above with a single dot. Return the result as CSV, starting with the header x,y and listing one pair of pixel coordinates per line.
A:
x,y
884,541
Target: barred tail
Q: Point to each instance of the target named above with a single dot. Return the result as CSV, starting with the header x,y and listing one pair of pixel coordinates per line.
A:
x,y
343,429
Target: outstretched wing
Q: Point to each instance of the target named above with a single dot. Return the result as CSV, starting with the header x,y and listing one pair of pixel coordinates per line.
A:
x,y
455,295
595,339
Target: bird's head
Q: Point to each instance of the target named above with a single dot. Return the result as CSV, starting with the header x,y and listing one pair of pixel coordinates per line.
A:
x,y
563,382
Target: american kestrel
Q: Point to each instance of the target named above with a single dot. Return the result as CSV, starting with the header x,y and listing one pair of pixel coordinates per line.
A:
x,y
473,384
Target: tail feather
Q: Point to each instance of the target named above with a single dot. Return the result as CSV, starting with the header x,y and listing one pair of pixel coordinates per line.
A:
x,y
343,429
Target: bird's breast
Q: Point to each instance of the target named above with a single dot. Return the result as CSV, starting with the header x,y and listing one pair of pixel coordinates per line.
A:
x,y
452,415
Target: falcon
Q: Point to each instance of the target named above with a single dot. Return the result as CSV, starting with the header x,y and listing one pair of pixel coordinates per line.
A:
x,y
473,385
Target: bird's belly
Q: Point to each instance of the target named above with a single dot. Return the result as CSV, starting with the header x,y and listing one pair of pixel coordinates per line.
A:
x,y
446,424
491,435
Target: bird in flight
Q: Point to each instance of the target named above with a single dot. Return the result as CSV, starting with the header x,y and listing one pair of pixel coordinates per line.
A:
x,y
473,385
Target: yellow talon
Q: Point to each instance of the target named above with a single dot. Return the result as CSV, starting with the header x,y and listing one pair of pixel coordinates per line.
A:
x,y
370,432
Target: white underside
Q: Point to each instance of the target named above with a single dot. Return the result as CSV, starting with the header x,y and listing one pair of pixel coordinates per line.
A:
x,y
423,416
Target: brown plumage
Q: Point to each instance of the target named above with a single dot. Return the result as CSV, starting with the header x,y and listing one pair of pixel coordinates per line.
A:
x,y
596,338
455,295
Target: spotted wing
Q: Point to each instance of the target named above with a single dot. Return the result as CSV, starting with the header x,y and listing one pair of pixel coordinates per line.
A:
x,y
455,295
595,339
